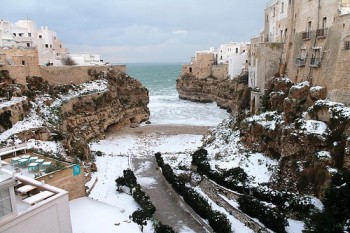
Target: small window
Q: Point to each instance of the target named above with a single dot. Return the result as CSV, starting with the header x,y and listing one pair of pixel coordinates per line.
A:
x,y
50,45
40,36
14,34
28,45
282,7
236,50
347,45
46,45
23,62
29,34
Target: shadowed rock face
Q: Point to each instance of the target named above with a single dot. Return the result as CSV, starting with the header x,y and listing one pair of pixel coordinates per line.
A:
x,y
88,117
232,95
309,136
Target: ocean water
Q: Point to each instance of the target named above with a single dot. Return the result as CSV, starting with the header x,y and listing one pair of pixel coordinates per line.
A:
x,y
165,105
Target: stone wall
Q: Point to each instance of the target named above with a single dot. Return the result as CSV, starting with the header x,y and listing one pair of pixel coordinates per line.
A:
x,y
20,63
65,179
60,75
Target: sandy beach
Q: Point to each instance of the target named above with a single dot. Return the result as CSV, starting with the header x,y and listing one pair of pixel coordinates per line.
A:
x,y
163,130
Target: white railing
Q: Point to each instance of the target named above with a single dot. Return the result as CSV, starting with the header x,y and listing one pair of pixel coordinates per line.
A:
x,y
11,149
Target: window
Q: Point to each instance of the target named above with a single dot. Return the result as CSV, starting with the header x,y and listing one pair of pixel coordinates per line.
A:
x,y
14,34
20,34
282,7
28,45
23,62
324,22
29,34
5,202
273,11
267,18
347,45
301,59
315,60
40,36
309,26
236,50
46,45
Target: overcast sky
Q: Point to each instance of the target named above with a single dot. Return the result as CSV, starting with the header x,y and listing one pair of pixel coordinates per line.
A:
x,y
124,31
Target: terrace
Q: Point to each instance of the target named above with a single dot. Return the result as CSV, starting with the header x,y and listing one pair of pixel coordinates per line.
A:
x,y
24,200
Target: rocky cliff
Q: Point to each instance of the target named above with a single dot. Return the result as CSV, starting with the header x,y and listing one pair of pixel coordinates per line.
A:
x,y
306,133
73,115
88,117
232,95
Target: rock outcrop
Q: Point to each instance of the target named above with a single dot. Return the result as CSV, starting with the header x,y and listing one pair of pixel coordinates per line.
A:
x,y
308,135
88,117
232,95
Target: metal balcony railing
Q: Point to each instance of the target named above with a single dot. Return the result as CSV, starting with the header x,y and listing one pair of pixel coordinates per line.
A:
x,y
321,33
315,62
299,61
306,35
347,45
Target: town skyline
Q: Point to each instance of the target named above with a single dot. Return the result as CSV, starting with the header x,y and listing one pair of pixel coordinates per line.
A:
x,y
136,31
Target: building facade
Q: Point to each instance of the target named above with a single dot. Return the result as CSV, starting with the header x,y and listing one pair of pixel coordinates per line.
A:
x,y
308,40
204,65
45,211
87,59
24,34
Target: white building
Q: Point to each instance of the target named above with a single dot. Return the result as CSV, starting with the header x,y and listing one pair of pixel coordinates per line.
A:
x,y
45,211
87,59
24,34
235,55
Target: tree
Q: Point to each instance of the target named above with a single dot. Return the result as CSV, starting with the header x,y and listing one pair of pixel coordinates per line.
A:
x,y
140,217
161,228
68,61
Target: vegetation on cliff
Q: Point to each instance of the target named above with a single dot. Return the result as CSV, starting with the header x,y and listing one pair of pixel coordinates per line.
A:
x,y
70,116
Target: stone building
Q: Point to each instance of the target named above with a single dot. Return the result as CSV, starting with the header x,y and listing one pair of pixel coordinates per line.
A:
x,y
308,40
235,55
24,34
204,64
228,61
20,62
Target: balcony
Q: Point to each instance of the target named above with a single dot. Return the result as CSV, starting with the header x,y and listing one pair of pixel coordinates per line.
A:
x,y
347,45
306,35
315,62
299,61
321,33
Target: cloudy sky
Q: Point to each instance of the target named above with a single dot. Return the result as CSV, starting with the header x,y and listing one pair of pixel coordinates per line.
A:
x,y
124,31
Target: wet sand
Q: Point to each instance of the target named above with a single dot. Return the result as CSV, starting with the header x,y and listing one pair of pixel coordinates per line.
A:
x,y
165,130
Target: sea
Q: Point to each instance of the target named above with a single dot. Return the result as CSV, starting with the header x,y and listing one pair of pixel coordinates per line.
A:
x,y
165,105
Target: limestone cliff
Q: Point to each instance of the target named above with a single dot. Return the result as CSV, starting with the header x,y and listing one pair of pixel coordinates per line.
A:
x,y
88,117
73,115
232,95
307,134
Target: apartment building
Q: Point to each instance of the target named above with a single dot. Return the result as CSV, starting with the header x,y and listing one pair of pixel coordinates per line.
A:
x,y
24,34
303,40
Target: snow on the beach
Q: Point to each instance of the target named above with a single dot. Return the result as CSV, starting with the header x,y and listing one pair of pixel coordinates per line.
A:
x,y
91,216
117,151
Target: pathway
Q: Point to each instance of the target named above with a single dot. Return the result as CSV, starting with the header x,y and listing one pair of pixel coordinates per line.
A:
x,y
170,208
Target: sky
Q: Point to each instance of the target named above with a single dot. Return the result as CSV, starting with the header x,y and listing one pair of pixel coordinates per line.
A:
x,y
127,31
